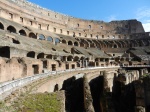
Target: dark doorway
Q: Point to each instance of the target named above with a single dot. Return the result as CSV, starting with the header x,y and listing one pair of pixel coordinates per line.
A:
x,y
45,64
5,52
35,69
73,66
53,67
67,66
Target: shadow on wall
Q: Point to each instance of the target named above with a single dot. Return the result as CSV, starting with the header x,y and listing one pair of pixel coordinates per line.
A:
x,y
97,88
124,97
74,94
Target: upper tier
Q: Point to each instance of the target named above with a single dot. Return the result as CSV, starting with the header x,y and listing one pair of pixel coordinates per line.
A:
x,y
29,14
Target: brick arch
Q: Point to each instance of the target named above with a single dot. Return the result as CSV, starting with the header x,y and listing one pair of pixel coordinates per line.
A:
x,y
22,32
11,29
32,35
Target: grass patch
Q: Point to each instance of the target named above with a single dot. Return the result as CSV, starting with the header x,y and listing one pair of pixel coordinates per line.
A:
x,y
40,102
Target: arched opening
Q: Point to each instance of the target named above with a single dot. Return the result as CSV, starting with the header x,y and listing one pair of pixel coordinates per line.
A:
x,y
31,54
81,44
5,52
1,26
64,41
76,58
41,37
57,41
41,55
49,56
11,29
115,46
75,43
69,43
22,32
69,58
50,39
32,35
92,45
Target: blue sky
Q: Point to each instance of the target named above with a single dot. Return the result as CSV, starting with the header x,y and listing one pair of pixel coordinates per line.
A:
x,y
105,10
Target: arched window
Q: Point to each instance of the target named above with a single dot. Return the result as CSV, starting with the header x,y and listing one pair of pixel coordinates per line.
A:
x,y
50,39
1,26
76,58
31,54
64,41
22,32
32,35
11,29
69,43
115,46
57,41
75,43
41,55
69,58
41,37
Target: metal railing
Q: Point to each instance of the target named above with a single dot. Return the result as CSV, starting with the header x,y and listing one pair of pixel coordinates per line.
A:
x,y
14,84
135,66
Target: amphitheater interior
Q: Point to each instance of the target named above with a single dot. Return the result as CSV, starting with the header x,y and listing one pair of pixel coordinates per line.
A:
x,y
35,40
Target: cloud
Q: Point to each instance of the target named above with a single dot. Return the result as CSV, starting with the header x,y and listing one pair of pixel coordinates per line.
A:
x,y
111,18
142,13
146,27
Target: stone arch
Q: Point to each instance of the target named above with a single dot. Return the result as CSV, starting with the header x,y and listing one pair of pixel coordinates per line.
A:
x,y
92,45
86,44
76,58
49,39
70,43
31,54
1,26
81,44
11,29
32,35
41,37
22,32
57,40
69,58
64,41
115,46
40,55
75,43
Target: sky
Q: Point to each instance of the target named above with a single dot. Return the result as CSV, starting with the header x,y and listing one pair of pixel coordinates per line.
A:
x,y
103,10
